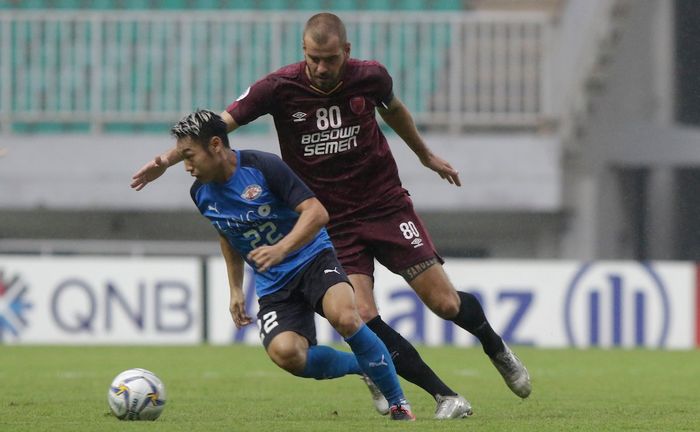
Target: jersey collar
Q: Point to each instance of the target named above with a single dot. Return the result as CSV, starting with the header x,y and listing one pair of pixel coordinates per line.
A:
x,y
316,89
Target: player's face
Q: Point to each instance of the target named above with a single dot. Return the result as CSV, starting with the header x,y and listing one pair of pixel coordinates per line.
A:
x,y
198,162
324,63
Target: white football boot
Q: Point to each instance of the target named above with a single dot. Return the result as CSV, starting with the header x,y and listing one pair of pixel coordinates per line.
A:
x,y
380,402
513,372
452,407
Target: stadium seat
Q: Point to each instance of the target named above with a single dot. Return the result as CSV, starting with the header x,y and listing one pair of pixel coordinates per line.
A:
x,y
173,4
378,5
413,5
344,5
446,5
33,4
104,4
238,4
207,4
310,4
274,4
69,4
134,4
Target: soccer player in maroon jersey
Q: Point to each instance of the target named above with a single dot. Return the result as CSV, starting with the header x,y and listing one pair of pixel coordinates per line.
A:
x,y
324,113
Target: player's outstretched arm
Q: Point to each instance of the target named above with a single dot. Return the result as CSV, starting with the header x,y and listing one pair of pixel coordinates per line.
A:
x,y
234,270
155,168
397,116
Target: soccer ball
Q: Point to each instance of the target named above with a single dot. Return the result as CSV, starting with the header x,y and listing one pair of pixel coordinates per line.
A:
x,y
136,394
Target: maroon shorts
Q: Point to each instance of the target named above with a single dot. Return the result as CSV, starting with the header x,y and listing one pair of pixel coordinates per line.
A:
x,y
398,240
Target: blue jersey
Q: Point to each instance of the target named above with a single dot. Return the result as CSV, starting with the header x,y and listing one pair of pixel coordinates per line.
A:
x,y
255,207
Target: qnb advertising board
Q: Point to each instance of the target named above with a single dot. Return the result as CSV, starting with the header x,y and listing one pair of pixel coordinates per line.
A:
x,y
110,300
538,303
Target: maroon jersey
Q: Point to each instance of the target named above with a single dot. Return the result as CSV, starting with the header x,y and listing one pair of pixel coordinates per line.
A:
x,y
331,140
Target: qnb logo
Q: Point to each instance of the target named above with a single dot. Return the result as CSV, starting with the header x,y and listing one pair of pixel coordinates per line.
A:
x,y
617,304
13,306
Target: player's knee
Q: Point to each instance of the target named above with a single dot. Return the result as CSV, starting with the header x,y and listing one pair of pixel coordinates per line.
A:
x,y
347,322
288,355
367,311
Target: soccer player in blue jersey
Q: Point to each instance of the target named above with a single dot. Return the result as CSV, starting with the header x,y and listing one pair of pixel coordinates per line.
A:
x,y
266,216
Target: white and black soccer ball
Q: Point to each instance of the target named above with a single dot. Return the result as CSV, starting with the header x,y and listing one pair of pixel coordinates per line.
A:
x,y
136,394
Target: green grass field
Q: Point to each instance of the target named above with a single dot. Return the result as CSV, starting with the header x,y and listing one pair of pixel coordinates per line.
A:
x,y
237,388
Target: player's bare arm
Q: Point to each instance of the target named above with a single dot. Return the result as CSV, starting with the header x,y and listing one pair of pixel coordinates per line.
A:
x,y
312,217
234,270
156,167
231,124
397,116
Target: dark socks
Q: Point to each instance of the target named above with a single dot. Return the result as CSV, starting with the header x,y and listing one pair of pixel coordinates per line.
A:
x,y
409,364
472,319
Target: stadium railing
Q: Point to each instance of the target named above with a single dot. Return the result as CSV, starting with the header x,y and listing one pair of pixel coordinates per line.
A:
x,y
392,5
101,70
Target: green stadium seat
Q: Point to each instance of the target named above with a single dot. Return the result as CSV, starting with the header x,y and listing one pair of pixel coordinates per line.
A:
x,y
238,4
33,4
345,5
103,4
207,4
378,5
274,5
403,67
310,4
69,4
135,4
172,4
413,5
447,5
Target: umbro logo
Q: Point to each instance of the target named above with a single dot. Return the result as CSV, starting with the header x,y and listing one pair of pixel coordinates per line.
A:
x,y
334,270
299,116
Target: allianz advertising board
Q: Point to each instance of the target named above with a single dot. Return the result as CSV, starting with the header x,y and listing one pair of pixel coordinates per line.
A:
x,y
537,303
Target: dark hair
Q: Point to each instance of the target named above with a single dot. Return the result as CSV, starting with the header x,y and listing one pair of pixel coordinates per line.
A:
x,y
323,25
201,126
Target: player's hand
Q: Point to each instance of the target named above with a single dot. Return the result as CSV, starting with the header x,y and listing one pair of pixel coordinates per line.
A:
x,y
238,313
149,172
265,257
443,168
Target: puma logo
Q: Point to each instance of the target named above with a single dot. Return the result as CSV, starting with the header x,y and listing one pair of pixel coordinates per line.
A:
x,y
334,270
381,362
